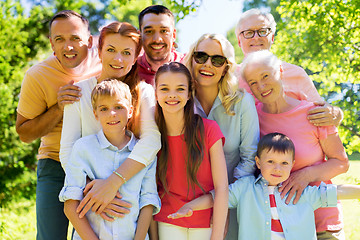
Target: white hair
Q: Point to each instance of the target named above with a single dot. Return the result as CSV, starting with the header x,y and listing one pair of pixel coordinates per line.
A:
x,y
264,56
257,12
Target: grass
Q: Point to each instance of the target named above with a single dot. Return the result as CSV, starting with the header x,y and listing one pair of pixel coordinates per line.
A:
x,y
351,208
17,221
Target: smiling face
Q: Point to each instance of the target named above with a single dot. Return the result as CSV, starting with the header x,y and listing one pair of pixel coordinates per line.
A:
x,y
172,92
117,56
264,81
113,113
255,22
158,36
70,41
275,167
206,74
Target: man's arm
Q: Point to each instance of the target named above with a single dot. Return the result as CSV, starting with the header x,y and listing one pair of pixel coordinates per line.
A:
x,y
31,129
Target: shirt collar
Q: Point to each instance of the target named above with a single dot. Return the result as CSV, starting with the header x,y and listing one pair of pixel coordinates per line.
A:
x,y
261,180
199,109
104,143
175,57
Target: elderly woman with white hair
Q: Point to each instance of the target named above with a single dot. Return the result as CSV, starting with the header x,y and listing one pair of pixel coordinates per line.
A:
x,y
211,61
319,153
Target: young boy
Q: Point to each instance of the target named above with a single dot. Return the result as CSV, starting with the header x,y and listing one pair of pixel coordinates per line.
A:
x,y
99,155
261,212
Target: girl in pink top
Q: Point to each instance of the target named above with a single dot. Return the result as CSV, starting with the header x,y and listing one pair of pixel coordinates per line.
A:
x,y
281,113
191,161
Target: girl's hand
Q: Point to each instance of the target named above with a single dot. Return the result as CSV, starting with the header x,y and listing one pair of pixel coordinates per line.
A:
x,y
98,194
295,184
184,211
117,208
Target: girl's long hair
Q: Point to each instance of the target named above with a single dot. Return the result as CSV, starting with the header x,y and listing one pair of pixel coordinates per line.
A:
x,y
193,130
131,78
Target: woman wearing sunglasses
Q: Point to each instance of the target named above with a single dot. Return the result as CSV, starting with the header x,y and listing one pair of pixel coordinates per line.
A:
x,y
211,61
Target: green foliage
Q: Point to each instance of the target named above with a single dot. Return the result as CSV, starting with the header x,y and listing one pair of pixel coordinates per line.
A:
x,y
269,4
127,11
233,40
20,43
324,38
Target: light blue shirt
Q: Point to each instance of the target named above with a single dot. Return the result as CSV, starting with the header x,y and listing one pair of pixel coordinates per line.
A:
x,y
251,198
241,133
94,156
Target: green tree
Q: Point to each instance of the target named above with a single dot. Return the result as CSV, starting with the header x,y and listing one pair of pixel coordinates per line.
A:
x,y
19,43
268,4
324,38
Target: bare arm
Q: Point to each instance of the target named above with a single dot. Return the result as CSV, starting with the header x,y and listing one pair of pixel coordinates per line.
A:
x,y
325,115
153,230
81,225
31,129
336,164
143,223
203,202
348,191
219,174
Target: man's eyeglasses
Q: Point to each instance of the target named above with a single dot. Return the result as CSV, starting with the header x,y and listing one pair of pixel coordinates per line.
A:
x,y
262,32
202,57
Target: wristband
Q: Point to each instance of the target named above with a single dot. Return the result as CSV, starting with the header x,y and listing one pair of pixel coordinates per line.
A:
x,y
120,176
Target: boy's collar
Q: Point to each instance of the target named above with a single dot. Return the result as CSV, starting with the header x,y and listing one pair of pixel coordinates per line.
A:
x,y
104,143
260,179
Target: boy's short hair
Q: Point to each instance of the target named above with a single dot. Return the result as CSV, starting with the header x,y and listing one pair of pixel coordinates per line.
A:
x,y
276,142
110,87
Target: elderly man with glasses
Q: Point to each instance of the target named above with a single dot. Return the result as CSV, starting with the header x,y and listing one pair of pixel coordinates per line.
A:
x,y
255,31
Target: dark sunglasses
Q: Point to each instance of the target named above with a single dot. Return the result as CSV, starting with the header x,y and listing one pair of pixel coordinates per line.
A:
x,y
202,57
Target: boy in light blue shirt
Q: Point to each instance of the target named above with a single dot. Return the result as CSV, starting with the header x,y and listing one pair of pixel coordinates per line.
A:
x,y
261,212
99,155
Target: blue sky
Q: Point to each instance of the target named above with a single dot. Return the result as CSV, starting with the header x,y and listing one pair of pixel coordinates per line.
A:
x,y
213,16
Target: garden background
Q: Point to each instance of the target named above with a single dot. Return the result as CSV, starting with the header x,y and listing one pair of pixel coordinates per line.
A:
x,y
323,37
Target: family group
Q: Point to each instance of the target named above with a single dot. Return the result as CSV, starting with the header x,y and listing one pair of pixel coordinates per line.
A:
x,y
140,141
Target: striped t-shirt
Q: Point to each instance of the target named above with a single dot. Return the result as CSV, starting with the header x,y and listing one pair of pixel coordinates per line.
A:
x,y
277,232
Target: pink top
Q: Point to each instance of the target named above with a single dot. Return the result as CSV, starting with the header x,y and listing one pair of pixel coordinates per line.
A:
x,y
145,72
308,150
179,190
296,82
